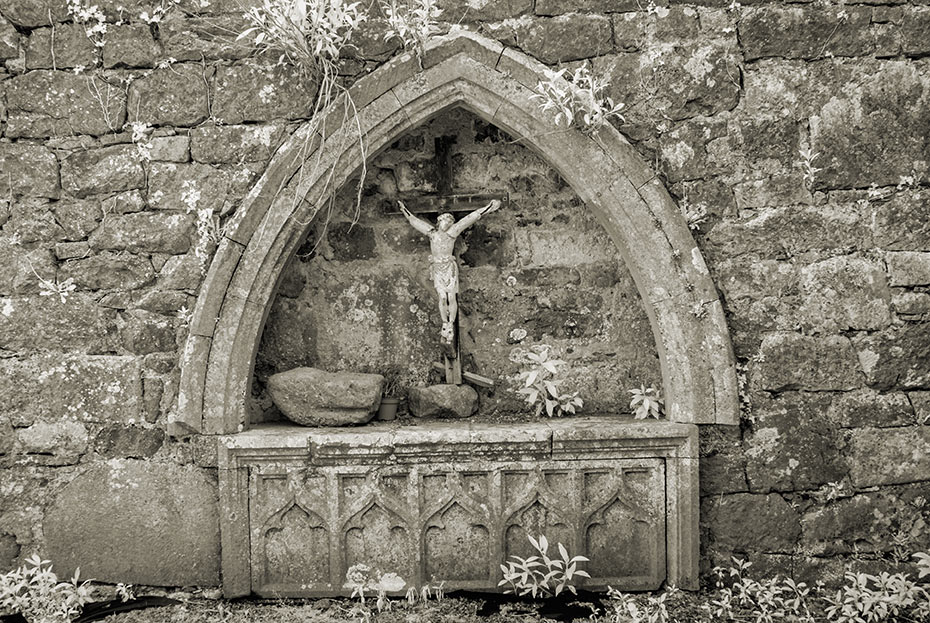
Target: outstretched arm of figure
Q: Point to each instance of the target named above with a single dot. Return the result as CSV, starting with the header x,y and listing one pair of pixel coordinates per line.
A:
x,y
417,223
460,226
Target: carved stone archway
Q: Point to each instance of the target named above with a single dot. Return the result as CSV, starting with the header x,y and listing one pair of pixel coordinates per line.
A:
x,y
469,71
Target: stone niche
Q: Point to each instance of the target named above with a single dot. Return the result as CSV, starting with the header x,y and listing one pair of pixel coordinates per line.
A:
x,y
451,501
357,295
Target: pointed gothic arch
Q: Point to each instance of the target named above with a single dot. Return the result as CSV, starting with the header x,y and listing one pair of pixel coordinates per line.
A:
x,y
470,71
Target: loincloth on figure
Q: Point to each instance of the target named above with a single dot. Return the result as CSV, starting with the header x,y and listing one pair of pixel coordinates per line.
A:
x,y
445,273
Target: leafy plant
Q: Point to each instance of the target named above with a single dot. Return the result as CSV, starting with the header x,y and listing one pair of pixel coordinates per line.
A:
x,y
739,597
640,608
313,35
872,598
541,575
413,22
541,385
808,169
432,589
34,591
578,99
646,403
92,18
310,34
864,598
362,578
393,380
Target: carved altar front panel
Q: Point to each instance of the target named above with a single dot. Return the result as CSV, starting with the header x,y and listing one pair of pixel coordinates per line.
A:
x,y
448,503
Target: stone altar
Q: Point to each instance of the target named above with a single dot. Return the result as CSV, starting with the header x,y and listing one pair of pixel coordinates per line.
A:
x,y
451,501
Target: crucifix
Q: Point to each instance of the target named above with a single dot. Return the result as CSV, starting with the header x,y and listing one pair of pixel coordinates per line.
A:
x,y
444,268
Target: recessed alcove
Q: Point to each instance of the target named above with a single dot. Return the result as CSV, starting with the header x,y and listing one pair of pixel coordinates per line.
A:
x,y
283,486
542,270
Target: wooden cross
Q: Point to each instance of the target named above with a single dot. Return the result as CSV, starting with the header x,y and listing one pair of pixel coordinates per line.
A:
x,y
448,200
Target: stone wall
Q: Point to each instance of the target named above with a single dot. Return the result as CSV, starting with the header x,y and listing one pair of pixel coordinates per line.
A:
x,y
794,137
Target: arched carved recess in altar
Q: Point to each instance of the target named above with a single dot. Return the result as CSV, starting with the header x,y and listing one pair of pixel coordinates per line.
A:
x,y
469,71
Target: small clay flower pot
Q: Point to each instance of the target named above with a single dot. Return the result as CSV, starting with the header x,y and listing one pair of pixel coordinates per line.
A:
x,y
388,409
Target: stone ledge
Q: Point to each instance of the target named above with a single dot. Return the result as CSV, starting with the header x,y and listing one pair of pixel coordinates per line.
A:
x,y
391,442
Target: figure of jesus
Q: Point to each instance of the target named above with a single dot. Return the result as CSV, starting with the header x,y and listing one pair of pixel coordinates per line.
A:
x,y
443,267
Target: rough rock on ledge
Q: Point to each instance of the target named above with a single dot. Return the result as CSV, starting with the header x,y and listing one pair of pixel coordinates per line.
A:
x,y
445,401
313,397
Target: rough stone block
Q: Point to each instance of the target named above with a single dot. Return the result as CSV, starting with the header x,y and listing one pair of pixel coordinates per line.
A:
x,y
921,404
795,361
847,525
171,148
196,38
77,218
868,408
165,303
145,232
55,443
216,7
775,525
684,149
137,521
56,103
844,293
560,7
124,203
69,47
104,170
129,45
48,323
785,231
351,242
443,401
31,220
313,397
897,358
887,456
910,303
133,442
566,37
20,268
34,13
723,462
908,268
109,271
914,27
144,333
887,110
483,11
902,223
181,272
805,32
71,250
89,389
790,448
694,78
9,551
187,187
252,92
9,40
236,143
29,170
177,95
